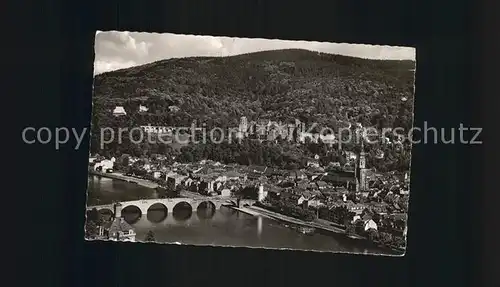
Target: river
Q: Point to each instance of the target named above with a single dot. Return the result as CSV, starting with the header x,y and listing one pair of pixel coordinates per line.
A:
x,y
224,227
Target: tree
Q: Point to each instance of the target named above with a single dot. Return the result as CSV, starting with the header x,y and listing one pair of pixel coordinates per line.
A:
x,y
385,238
359,226
372,234
403,204
210,97
398,241
91,229
124,160
93,215
150,236
161,192
341,215
400,224
350,229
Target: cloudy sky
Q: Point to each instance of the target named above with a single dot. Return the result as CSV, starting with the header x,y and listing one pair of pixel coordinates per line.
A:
x,y
117,50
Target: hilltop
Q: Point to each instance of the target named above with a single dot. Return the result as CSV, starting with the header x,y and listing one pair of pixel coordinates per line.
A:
x,y
279,84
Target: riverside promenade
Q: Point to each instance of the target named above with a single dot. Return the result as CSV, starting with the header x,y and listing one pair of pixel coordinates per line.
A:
x,y
315,224
318,223
121,176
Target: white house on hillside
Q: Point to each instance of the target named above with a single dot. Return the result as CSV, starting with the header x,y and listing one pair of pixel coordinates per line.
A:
x,y
328,139
143,109
174,109
119,111
105,165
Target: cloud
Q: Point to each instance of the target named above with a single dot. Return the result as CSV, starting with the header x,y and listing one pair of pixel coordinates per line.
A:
x,y
117,50
101,66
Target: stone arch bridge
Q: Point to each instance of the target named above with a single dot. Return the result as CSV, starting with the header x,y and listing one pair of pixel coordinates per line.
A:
x,y
169,203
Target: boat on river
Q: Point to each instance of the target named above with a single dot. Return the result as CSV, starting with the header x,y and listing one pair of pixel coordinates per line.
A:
x,y
303,229
307,230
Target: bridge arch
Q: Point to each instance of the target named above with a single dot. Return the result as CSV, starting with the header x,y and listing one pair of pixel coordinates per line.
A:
x,y
206,209
106,213
157,212
131,213
182,210
134,210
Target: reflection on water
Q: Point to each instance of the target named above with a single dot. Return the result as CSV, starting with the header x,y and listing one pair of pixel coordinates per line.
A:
x,y
259,226
230,228
157,213
225,226
206,210
131,214
182,211
156,216
105,191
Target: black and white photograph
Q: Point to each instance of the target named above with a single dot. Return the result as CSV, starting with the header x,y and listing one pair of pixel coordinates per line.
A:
x,y
258,143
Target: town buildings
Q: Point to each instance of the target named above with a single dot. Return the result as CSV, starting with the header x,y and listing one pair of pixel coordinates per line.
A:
x,y
157,129
117,229
263,130
352,185
267,130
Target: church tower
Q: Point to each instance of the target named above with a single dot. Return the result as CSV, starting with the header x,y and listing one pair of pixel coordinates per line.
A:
x,y
243,128
361,169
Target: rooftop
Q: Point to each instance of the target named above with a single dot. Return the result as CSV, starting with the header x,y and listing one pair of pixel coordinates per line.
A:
x,y
233,173
119,224
257,168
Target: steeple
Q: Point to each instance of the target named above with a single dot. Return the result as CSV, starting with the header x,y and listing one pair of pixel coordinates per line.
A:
x,y
361,169
362,156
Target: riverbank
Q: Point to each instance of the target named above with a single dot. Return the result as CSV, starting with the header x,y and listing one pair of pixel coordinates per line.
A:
x,y
121,176
318,224
248,211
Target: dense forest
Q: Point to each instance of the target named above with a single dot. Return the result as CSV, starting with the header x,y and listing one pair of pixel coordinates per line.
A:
x,y
282,85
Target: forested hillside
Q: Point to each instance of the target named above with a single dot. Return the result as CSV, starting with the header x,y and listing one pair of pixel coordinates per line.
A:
x,y
277,85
